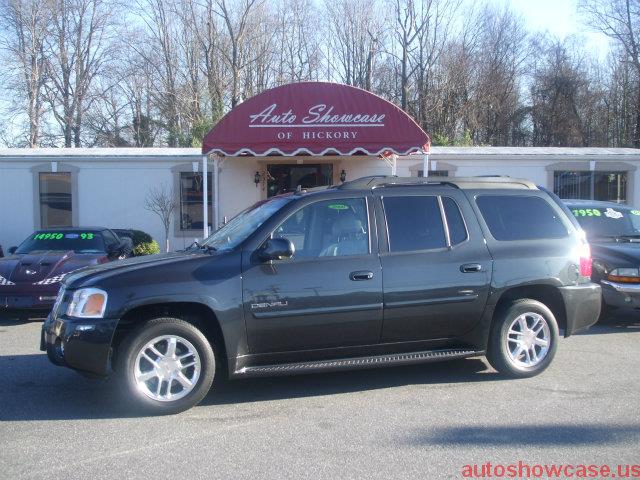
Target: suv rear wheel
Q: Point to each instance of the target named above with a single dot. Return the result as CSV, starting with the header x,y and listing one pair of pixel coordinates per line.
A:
x,y
523,339
167,365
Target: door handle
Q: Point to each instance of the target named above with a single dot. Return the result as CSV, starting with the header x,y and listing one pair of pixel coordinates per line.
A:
x,y
470,268
361,275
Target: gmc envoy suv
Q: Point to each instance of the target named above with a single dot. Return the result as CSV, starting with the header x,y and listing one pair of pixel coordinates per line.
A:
x,y
379,271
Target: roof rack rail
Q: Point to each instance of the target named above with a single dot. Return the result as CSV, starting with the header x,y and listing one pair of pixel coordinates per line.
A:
x,y
377,181
481,181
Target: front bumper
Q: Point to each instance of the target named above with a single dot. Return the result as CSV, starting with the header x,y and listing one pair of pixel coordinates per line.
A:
x,y
40,300
621,294
81,344
582,306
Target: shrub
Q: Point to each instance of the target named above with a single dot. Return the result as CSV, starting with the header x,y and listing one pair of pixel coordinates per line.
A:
x,y
138,237
146,248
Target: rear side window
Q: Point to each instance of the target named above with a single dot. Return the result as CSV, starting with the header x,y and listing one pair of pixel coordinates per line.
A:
x,y
414,223
511,217
457,229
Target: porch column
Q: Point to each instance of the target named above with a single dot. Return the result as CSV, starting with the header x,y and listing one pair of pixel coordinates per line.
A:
x,y
205,197
425,165
216,192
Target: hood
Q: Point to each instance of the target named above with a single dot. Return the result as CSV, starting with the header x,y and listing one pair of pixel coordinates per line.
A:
x,y
616,254
94,274
44,267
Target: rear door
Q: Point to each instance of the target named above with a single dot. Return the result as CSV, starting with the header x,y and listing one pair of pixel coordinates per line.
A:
x,y
437,268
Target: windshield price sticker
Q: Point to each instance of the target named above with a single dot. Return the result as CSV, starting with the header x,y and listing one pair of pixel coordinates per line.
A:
x,y
635,212
60,236
611,213
337,206
586,212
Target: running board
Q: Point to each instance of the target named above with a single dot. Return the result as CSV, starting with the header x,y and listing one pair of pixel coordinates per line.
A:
x,y
357,362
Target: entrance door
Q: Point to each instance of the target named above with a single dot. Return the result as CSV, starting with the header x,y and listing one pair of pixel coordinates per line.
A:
x,y
286,178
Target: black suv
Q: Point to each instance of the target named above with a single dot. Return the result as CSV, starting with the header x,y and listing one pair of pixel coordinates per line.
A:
x,y
379,271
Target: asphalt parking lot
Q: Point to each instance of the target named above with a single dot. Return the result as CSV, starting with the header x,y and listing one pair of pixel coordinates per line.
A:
x,y
407,422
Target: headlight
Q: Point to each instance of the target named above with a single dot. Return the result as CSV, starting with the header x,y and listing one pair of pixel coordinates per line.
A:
x,y
624,275
88,303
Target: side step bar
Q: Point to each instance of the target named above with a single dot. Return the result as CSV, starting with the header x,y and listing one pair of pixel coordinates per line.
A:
x,y
356,362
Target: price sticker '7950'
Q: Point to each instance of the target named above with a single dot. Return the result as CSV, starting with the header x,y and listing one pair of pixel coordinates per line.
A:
x,y
586,212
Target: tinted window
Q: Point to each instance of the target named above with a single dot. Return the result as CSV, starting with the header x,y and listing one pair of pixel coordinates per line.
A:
x,y
512,217
191,188
331,228
79,242
457,230
414,223
55,199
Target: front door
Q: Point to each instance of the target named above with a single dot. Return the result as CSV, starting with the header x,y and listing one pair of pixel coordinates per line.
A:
x,y
286,178
437,269
329,294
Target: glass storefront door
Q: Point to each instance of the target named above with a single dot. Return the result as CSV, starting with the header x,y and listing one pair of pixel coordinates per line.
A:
x,y
286,178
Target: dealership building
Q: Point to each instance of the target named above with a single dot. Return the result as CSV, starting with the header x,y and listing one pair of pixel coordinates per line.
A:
x,y
308,134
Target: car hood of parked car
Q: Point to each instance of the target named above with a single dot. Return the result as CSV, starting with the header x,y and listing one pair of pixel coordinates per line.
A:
x,y
96,273
616,254
44,267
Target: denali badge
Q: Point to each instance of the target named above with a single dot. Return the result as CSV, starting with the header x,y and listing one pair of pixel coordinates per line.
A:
x,y
269,304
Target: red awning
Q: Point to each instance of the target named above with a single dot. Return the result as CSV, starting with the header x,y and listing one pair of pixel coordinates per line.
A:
x,y
315,118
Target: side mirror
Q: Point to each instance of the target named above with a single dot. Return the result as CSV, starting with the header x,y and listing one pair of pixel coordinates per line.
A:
x,y
276,249
12,250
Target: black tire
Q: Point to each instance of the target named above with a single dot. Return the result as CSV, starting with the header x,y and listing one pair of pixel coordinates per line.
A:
x,y
498,352
188,337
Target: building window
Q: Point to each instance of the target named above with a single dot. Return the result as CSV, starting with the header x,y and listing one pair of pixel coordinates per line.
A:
x,y
55,200
191,185
434,173
608,186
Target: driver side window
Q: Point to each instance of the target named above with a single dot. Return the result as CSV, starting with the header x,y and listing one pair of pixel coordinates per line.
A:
x,y
330,228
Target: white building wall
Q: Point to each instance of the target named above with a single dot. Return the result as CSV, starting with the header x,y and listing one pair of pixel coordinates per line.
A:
x,y
114,196
16,200
112,185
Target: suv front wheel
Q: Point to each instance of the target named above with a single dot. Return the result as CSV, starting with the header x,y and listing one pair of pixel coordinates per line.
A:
x,y
523,339
167,365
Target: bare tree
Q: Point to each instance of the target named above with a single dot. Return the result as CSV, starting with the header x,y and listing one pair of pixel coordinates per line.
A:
x,y
26,24
235,23
77,48
620,21
354,42
161,201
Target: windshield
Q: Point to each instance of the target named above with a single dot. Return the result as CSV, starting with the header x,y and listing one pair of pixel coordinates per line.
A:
x,y
245,223
79,242
596,221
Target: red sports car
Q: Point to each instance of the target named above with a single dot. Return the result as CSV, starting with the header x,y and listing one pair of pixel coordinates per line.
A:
x,y
30,276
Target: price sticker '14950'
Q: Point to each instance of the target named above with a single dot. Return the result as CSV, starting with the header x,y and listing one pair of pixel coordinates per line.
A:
x,y
586,212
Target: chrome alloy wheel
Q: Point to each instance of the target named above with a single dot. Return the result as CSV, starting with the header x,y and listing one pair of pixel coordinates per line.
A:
x,y
528,340
167,368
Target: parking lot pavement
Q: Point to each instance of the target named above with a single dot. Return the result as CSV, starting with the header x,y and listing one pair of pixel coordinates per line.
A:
x,y
407,422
